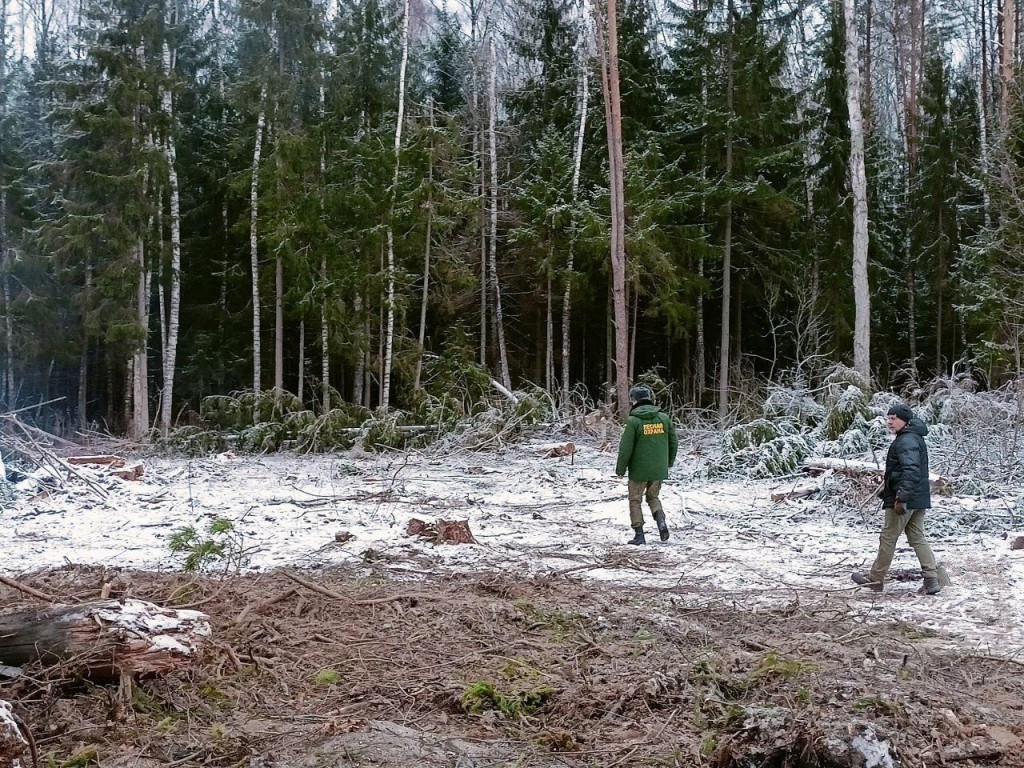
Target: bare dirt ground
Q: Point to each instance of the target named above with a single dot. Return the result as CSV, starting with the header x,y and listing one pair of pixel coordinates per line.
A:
x,y
497,669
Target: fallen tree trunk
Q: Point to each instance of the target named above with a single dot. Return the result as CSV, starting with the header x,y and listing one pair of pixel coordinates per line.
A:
x,y
103,639
939,483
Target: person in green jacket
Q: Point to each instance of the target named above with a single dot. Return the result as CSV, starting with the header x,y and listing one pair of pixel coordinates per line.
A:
x,y
646,450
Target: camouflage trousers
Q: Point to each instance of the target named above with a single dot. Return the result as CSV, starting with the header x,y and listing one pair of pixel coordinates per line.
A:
x,y
642,489
910,523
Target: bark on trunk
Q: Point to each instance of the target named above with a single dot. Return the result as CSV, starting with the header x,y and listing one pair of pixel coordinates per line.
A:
x,y
424,296
102,639
980,95
613,114
725,340
1007,59
174,309
389,331
300,389
492,133
254,242
325,357
584,92
858,186
6,376
140,359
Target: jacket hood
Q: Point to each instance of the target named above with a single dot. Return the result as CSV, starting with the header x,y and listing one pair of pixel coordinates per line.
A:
x,y
917,426
645,412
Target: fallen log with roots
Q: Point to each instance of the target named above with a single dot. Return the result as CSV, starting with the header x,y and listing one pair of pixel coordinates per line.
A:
x,y
104,639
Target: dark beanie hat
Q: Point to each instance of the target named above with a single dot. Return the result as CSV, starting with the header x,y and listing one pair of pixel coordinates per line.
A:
x,y
901,412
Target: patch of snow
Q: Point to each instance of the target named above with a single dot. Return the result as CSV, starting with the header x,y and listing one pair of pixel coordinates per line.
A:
x,y
875,752
531,516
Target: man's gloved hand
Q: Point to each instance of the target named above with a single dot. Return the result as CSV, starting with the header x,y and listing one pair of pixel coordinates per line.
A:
x,y
899,507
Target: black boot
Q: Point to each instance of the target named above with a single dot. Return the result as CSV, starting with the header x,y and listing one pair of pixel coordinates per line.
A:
x,y
659,518
931,585
859,577
638,537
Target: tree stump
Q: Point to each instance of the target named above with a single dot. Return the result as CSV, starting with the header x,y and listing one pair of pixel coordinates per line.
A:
x,y
103,639
442,532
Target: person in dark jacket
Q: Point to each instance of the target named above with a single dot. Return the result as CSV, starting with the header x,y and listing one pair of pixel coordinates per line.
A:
x,y
646,450
906,495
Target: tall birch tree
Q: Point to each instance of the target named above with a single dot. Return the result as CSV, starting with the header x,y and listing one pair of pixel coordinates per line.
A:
x,y
389,339
173,309
254,253
858,188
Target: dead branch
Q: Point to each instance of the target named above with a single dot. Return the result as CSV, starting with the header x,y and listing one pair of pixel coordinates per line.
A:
x,y
27,589
316,587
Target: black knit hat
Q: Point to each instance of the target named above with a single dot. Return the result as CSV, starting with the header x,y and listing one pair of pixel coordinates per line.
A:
x,y
901,412
636,394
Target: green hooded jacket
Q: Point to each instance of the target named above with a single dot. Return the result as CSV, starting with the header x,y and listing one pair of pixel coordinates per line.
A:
x,y
648,445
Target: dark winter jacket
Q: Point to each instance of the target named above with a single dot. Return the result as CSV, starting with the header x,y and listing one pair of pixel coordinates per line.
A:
x,y
906,468
648,445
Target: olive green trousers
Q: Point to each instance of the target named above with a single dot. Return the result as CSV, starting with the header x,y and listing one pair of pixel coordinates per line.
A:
x,y
910,523
641,489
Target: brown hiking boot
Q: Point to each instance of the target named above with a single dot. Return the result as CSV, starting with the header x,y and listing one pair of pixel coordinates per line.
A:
x,y
861,578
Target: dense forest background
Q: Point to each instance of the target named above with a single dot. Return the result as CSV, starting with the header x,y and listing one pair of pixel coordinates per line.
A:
x,y
338,199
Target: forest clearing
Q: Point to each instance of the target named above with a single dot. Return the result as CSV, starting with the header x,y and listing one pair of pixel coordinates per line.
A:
x,y
340,638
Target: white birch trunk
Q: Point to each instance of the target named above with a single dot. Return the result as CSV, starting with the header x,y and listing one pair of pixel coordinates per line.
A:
x,y
1007,61
493,148
983,127
389,338
174,308
254,242
325,356
858,186
577,162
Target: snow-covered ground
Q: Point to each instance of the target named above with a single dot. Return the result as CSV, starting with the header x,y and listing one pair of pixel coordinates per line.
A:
x,y
530,515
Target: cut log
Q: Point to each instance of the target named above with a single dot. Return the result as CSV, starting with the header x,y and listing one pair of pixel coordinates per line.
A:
x,y
442,532
102,639
13,745
939,483
106,460
803,489
131,473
